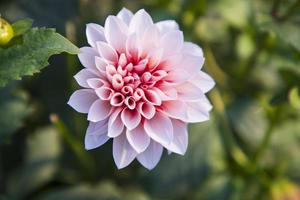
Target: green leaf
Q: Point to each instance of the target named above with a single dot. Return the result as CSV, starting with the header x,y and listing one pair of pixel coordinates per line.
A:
x,y
31,56
294,98
22,26
287,31
14,109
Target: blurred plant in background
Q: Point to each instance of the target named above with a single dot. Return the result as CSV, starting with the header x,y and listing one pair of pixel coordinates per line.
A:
x,y
248,150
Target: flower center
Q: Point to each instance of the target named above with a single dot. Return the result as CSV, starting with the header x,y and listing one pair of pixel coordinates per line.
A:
x,y
132,81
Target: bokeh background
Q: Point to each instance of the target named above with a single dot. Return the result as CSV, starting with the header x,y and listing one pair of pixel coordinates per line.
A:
x,y
249,149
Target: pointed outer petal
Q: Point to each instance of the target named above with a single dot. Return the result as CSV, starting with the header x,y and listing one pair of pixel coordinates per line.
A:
x,y
107,52
138,94
117,99
192,49
81,100
151,156
82,76
176,77
125,15
154,58
191,64
171,62
101,65
96,83
132,46
147,110
197,111
152,97
180,141
105,93
123,153
203,81
138,138
87,57
159,128
130,102
149,40
159,74
115,33
167,26
174,109
140,22
115,124
99,110
172,42
96,135
131,118
94,33
166,93
189,92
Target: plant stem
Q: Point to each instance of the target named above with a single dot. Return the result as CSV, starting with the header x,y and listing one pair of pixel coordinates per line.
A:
x,y
85,160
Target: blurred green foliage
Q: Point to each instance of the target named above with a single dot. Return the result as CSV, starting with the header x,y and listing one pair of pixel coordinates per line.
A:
x,y
248,150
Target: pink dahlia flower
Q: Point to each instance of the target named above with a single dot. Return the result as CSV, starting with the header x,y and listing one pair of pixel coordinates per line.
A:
x,y
142,85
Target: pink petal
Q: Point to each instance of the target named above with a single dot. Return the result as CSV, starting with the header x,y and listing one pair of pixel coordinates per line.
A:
x,y
174,109
125,15
154,58
140,22
203,81
177,76
132,46
94,33
130,102
172,42
101,65
107,52
87,57
189,92
81,100
131,118
151,156
115,124
147,110
152,97
96,135
105,93
192,49
180,141
123,153
99,110
159,128
115,33
149,40
167,26
166,93
95,83
117,99
138,139
197,112
82,76
191,64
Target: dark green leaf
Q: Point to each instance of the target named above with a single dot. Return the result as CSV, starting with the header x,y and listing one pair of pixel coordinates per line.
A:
x,y
31,56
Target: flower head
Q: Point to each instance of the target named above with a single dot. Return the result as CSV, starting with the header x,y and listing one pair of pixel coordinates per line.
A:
x,y
142,85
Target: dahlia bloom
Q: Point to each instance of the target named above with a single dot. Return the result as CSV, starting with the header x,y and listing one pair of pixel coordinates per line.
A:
x,y
142,85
